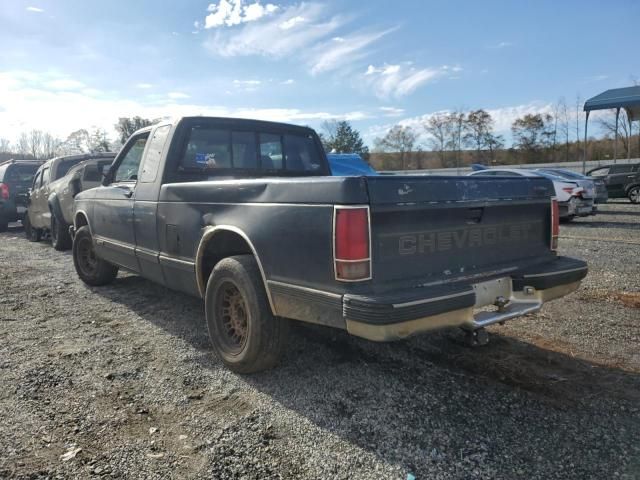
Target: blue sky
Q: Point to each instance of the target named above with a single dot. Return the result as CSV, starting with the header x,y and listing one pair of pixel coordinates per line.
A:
x,y
69,64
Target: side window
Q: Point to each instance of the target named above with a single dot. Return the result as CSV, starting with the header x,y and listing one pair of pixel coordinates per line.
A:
x,y
270,151
300,154
36,180
244,149
127,171
154,153
207,148
45,176
620,169
601,172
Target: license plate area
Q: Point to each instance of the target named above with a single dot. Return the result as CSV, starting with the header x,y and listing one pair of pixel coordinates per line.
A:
x,y
487,292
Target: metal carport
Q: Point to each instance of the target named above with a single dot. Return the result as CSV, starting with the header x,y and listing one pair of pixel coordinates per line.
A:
x,y
627,98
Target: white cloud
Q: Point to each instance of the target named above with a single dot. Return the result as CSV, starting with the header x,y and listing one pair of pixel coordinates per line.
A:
x,y
501,45
395,81
391,111
247,82
177,95
34,9
144,86
289,81
335,54
28,104
292,22
64,84
232,12
268,38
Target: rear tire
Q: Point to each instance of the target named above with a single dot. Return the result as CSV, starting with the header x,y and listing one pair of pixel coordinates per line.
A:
x,y
4,225
634,194
60,238
32,234
91,269
244,333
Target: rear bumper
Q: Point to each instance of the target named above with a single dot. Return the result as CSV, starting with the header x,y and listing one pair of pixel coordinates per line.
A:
x,y
399,315
576,207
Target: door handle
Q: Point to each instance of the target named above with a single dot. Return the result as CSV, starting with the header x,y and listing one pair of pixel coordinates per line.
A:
x,y
128,193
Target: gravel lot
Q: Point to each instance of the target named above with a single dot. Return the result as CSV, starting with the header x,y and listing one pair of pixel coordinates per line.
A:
x,y
119,382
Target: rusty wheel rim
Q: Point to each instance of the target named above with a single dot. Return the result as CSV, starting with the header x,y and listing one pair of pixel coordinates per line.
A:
x,y
87,260
233,314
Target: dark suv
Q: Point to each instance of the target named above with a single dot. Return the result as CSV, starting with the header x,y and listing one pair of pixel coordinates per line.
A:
x,y
622,180
15,180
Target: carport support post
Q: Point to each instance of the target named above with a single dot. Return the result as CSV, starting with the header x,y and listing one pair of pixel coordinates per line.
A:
x,y
584,153
615,145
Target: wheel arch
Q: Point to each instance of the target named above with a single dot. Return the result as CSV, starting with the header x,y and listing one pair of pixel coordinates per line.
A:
x,y
81,219
220,242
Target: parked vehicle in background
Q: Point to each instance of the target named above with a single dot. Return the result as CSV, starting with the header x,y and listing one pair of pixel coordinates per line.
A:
x,y
55,185
573,200
599,187
246,215
349,164
15,179
622,180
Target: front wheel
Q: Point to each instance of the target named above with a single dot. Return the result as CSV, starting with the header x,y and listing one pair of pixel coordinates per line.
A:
x,y
60,238
634,194
243,331
91,269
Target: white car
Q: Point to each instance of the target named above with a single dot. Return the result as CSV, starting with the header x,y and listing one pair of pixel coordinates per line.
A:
x,y
573,200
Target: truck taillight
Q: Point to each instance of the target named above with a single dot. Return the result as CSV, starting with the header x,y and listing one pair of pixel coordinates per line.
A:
x,y
4,191
555,224
352,244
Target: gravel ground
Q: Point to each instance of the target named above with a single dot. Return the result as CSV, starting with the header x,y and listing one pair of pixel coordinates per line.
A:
x,y
120,382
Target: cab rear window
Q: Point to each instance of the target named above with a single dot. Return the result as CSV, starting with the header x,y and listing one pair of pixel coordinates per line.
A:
x,y
209,150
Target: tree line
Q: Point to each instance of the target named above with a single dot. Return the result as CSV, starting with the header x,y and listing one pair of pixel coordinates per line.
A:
x,y
41,145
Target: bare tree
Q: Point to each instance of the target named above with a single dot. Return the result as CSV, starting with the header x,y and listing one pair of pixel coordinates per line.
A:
x,y
578,109
608,125
562,118
50,145
437,126
5,145
398,140
35,143
23,144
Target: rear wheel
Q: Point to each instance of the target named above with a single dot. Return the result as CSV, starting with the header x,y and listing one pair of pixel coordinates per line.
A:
x,y
91,269
634,194
33,234
60,238
243,331
4,225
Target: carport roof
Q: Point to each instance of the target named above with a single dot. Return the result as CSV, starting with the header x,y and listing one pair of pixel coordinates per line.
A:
x,y
627,98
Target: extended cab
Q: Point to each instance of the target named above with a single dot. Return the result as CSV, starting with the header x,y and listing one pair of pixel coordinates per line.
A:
x,y
245,215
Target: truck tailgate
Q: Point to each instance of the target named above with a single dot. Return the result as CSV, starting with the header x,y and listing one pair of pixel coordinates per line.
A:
x,y
427,228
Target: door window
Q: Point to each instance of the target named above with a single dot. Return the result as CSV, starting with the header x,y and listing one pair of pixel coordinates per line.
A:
x,y
45,176
127,170
36,180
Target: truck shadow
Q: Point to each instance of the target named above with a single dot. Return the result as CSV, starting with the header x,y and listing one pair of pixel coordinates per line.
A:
x,y
429,395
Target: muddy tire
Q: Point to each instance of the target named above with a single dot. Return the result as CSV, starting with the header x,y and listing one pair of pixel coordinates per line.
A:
x,y
32,234
91,269
244,333
60,238
634,194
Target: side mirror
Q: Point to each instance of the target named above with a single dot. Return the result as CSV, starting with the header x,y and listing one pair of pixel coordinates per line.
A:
x,y
105,172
